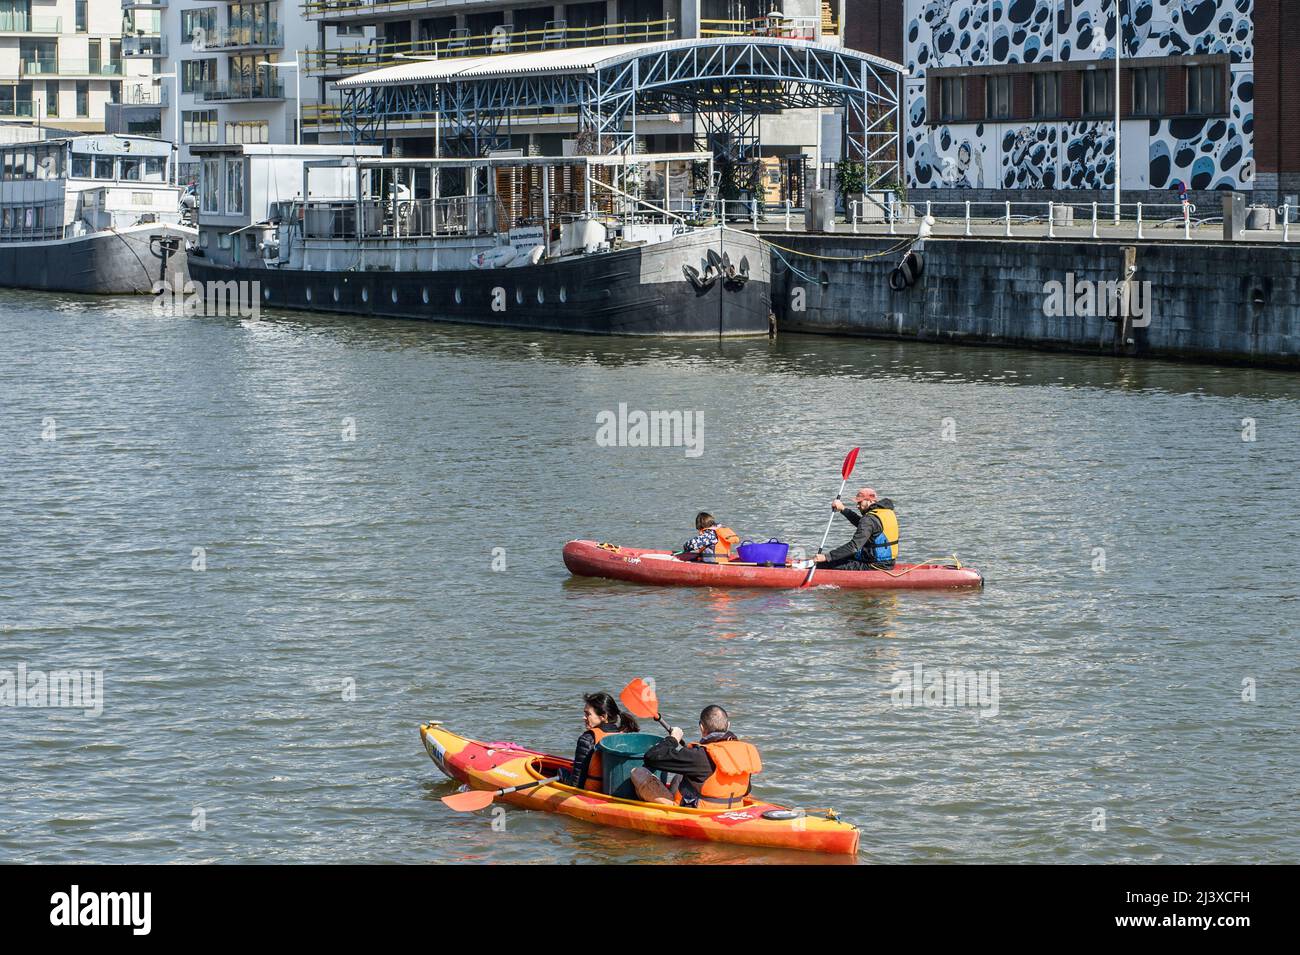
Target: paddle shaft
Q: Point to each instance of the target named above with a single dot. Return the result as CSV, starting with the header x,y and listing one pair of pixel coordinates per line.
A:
x,y
515,789
813,569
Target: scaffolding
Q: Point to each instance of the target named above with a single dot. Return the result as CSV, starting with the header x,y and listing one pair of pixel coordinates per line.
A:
x,y
725,84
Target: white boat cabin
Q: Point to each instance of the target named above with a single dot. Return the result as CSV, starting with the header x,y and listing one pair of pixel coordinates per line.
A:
x,y
54,189
294,207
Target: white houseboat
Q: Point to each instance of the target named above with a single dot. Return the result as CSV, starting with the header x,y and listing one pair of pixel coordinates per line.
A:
x,y
94,214
595,244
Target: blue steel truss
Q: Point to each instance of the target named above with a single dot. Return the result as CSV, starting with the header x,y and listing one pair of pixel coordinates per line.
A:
x,y
729,77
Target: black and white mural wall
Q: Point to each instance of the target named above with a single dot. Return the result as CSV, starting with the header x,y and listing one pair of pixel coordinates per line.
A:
x,y
1080,154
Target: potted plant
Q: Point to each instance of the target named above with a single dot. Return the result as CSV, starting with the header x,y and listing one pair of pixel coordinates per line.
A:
x,y
851,183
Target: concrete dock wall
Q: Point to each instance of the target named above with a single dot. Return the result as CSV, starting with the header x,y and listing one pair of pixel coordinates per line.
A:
x,y
1216,302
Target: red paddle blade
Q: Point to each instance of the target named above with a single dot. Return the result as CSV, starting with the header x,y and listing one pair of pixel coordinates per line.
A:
x,y
850,460
471,801
639,699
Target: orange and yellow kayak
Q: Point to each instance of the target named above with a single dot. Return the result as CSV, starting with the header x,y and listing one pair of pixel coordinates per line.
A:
x,y
754,823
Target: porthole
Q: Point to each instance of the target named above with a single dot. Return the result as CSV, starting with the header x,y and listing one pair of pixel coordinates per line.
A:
x,y
541,296
519,296
424,294
266,294
394,296
365,295
564,294
336,293
457,296
308,294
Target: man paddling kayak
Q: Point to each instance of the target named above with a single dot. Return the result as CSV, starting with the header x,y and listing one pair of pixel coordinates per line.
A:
x,y
715,772
874,545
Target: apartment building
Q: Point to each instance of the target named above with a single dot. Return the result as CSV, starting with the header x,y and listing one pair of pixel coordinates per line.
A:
x,y
61,62
357,35
1009,98
229,70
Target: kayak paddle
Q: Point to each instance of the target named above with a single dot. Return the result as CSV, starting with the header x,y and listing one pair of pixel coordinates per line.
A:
x,y
475,799
640,699
846,469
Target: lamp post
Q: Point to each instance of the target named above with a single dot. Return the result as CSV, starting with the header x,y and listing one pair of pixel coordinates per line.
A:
x,y
297,89
1119,42
175,77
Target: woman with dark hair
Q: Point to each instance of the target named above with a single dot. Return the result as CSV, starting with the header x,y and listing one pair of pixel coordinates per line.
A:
x,y
601,716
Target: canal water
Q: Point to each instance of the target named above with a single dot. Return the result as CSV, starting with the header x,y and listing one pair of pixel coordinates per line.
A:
x,y
288,541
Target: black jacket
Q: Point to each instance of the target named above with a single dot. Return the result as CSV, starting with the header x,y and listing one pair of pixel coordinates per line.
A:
x,y
692,763
582,754
866,530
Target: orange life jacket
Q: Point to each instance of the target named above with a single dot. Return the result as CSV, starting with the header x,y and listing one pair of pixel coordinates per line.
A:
x,y
727,539
734,761
596,766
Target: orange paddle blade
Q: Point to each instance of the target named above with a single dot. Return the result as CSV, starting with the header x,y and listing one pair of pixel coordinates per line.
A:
x,y
640,699
471,801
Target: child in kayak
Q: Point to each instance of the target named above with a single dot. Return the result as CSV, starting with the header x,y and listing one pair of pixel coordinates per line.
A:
x,y
712,541
714,773
601,716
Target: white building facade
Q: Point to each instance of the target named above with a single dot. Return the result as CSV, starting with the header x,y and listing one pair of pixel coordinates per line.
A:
x,y
61,62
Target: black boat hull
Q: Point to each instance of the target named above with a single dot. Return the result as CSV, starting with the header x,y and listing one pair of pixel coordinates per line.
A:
x,y
636,291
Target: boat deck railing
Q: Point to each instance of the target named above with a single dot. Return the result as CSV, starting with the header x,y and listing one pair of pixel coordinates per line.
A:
x,y
399,218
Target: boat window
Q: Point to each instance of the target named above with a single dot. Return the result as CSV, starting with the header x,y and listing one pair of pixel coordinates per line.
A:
x,y
9,164
80,167
211,185
155,169
234,187
131,169
205,239
223,240
28,159
103,167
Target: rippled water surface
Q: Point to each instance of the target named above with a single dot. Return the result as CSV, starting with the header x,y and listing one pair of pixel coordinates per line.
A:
x,y
231,731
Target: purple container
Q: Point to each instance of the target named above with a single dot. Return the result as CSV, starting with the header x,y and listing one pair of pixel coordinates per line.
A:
x,y
773,552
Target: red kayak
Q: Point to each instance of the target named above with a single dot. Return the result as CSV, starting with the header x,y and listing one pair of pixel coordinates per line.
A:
x,y
660,568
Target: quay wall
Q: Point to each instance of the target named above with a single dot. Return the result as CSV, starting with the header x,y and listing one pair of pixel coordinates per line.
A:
x,y
1230,303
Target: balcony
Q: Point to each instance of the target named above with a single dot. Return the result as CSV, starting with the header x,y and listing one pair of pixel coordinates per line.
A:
x,y
21,109
152,47
240,91
267,36
13,21
80,68
557,34
144,94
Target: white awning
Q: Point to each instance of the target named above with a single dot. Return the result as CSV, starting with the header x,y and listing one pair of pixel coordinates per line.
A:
x,y
582,59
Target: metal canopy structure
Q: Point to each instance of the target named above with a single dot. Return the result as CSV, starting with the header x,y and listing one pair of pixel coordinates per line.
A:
x,y
470,102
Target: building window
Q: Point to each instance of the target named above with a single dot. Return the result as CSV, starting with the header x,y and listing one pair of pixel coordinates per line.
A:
x,y
197,74
1046,96
83,98
81,15
349,29
199,126
234,187
248,131
1205,90
210,186
196,25
952,99
1149,91
52,99
997,97
1098,93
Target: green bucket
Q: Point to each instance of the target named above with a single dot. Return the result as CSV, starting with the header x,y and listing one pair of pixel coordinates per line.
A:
x,y
620,754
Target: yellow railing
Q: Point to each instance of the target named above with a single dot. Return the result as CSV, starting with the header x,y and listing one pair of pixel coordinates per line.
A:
x,y
375,55
775,24
317,116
